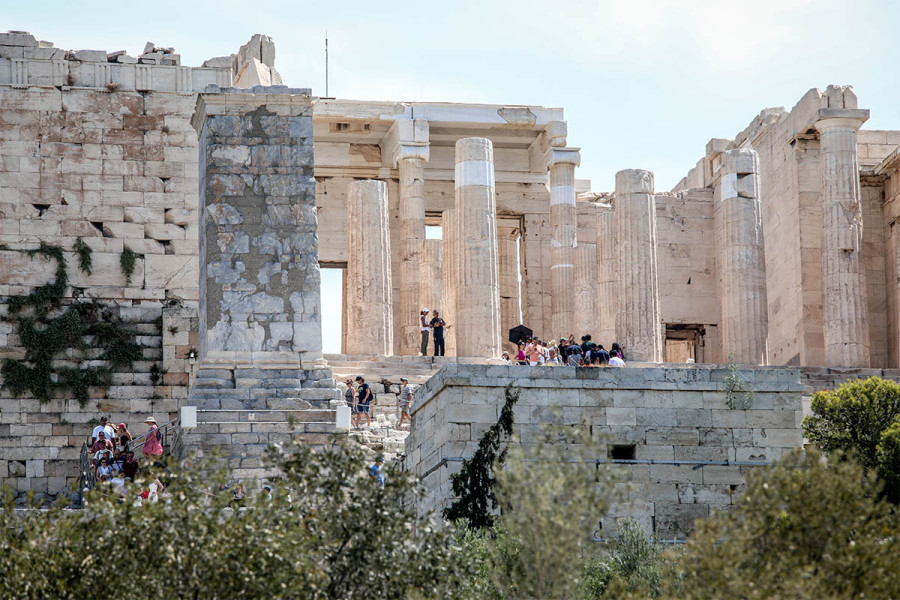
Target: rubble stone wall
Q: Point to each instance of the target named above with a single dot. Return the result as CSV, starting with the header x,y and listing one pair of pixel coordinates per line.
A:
x,y
676,419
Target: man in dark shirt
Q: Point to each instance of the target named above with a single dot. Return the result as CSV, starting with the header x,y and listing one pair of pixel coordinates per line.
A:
x,y
437,329
364,395
130,467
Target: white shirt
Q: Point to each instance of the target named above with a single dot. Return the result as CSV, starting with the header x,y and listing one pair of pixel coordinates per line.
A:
x,y
615,361
423,322
108,431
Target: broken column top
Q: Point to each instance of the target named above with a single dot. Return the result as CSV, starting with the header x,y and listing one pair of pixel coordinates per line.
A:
x,y
634,181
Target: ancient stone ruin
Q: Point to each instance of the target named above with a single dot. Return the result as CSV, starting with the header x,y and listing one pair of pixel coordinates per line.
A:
x,y
176,220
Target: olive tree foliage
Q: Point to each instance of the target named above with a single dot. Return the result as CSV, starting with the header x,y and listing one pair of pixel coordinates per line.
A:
x,y
803,528
631,564
343,536
853,419
552,496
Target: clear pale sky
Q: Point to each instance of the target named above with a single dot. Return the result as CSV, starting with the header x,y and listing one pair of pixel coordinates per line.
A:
x,y
645,84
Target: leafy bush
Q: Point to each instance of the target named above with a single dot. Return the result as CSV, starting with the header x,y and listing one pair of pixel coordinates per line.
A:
x,y
853,418
342,536
803,528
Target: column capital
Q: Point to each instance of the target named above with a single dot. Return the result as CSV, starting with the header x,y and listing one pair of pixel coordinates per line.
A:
x,y
406,138
555,156
840,118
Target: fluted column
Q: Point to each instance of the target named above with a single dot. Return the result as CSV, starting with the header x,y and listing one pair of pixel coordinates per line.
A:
x,y
563,224
370,316
412,232
449,276
430,279
638,326
478,293
585,289
742,270
606,276
507,251
845,316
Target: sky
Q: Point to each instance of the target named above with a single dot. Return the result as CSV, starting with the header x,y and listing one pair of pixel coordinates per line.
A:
x,y
644,84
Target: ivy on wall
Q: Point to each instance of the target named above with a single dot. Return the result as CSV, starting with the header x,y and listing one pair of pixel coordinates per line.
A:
x,y
64,343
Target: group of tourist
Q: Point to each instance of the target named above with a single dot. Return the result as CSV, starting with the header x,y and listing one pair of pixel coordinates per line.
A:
x,y
112,456
361,398
433,326
565,351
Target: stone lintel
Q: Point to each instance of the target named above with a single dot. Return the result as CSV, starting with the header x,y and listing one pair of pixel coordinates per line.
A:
x,y
717,146
216,100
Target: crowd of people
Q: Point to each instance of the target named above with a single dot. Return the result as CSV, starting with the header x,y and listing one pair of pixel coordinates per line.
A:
x,y
566,351
113,460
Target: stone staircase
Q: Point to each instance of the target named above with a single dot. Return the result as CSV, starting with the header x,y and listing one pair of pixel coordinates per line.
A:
x,y
241,412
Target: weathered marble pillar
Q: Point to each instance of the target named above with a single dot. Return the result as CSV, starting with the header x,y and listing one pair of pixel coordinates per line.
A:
x,y
430,278
563,224
449,276
370,309
606,276
507,251
409,143
259,263
742,263
845,315
638,326
586,298
478,293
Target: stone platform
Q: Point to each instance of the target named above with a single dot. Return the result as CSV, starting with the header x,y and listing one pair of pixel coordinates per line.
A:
x,y
690,450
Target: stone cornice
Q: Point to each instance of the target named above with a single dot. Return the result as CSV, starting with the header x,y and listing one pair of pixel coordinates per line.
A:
x,y
406,138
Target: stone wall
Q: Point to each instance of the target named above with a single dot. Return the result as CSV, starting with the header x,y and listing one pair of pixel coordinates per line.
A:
x,y
691,451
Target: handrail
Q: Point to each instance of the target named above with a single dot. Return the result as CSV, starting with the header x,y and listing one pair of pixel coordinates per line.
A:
x,y
162,435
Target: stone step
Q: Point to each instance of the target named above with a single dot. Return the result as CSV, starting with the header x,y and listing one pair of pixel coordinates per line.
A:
x,y
266,416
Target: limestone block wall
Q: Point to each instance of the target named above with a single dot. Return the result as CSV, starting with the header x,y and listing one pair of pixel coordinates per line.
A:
x,y
690,449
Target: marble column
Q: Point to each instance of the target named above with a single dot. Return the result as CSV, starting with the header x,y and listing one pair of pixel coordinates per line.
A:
x,y
478,293
742,264
638,326
586,297
430,278
606,276
845,317
563,224
370,309
507,249
449,278
412,232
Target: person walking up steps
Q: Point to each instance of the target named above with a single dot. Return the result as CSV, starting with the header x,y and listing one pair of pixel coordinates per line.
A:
x,y
423,325
405,400
437,328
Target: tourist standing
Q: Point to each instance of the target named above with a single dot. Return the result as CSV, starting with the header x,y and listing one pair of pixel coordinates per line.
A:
x,y
615,360
406,398
376,470
152,447
123,437
423,325
437,328
364,396
107,430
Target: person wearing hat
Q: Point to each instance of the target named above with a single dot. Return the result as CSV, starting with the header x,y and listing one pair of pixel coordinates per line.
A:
x,y
437,330
152,447
405,401
426,328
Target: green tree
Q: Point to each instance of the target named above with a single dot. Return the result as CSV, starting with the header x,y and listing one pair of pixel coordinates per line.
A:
x,y
852,420
344,537
551,496
803,528
632,565
889,461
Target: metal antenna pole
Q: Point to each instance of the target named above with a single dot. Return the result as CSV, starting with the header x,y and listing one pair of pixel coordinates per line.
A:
x,y
326,64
